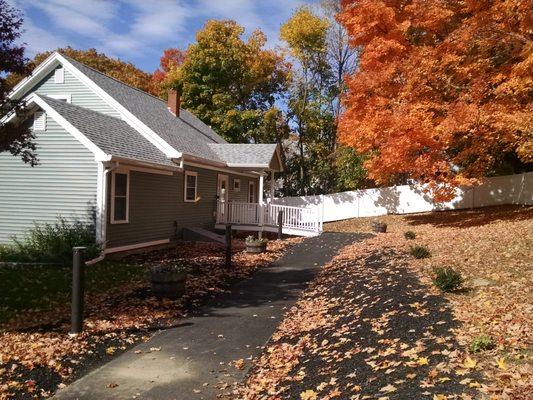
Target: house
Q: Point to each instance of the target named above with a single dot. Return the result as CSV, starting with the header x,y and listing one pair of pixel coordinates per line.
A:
x,y
143,169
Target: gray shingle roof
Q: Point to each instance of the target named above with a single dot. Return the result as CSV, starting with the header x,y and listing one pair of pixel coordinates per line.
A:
x,y
186,133
110,134
259,155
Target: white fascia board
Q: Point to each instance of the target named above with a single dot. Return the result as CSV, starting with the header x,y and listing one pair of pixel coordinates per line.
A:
x,y
220,169
278,155
164,169
261,166
128,117
99,154
37,74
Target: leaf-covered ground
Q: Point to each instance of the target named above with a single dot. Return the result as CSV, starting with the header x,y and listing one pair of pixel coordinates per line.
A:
x,y
36,354
372,325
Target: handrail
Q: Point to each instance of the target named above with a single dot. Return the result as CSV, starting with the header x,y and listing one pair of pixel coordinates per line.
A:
x,y
294,218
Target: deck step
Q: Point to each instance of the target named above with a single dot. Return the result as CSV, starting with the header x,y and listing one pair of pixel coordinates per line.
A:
x,y
201,235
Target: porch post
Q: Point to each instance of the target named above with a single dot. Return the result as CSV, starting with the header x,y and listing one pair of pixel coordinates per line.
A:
x,y
260,194
261,205
272,184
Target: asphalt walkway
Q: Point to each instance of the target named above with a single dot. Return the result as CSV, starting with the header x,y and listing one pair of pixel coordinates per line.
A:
x,y
193,360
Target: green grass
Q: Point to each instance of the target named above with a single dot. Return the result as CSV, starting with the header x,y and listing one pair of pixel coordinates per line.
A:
x,y
24,288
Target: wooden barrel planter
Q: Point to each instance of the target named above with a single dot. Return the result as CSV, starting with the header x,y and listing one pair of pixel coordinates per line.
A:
x,y
168,281
380,227
255,246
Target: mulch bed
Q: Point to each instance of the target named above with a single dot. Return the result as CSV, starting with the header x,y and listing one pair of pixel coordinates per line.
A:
x,y
367,328
37,356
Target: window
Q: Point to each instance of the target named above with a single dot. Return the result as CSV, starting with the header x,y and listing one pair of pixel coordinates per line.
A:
x,y
251,192
191,186
59,75
39,121
120,194
236,185
63,97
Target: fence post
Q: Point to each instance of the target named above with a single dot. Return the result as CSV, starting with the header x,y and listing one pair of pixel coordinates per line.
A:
x,y
228,238
78,269
280,224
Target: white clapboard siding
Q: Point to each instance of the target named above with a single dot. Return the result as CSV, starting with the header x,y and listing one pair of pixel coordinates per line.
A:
x,y
64,183
80,94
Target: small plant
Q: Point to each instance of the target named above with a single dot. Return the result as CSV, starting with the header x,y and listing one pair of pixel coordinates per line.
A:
x,y
447,279
418,251
252,240
481,343
410,235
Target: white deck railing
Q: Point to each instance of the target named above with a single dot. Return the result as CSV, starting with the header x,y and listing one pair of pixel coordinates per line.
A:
x,y
294,219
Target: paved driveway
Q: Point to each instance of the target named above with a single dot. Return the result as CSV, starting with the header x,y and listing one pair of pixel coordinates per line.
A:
x,y
189,361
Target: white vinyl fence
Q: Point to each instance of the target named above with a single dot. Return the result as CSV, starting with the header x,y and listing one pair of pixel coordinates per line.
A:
x,y
509,189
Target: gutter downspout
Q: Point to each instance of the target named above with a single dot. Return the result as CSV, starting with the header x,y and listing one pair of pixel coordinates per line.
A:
x,y
103,212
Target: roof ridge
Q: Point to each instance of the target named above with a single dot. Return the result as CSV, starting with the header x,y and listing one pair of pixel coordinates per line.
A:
x,y
110,77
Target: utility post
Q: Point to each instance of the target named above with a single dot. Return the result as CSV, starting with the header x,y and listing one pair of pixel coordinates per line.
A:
x,y
280,224
78,272
228,239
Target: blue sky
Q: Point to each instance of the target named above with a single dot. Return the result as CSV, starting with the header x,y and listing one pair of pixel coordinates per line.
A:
x,y
139,30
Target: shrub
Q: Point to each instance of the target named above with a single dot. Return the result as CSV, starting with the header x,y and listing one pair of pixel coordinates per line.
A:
x,y
481,343
52,243
410,235
447,279
418,251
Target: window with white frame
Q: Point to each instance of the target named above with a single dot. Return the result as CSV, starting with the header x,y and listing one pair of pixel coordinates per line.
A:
x,y
251,192
59,75
191,186
120,193
236,185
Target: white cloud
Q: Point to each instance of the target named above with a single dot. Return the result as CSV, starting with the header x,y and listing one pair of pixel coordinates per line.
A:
x,y
128,28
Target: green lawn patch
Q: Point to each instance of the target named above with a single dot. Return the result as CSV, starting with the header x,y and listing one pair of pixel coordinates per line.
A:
x,y
25,288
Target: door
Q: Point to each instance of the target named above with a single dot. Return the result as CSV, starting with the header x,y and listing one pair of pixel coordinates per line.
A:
x,y
222,196
222,188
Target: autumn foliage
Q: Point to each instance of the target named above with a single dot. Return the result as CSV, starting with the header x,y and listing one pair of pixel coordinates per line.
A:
x,y
116,68
170,59
444,92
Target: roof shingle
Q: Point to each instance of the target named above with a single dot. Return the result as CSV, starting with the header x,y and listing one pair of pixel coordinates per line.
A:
x,y
112,135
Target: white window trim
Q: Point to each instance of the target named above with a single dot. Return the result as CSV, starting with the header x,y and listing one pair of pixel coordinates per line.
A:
x,y
251,190
239,182
59,75
67,97
113,220
195,174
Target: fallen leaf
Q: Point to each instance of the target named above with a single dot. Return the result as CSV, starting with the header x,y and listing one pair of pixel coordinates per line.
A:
x,y
308,395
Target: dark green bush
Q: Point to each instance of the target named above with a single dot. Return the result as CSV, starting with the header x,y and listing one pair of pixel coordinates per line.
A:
x,y
481,343
410,235
447,279
418,251
52,243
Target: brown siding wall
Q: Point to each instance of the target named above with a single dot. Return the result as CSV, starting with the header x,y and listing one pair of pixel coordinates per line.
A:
x,y
156,201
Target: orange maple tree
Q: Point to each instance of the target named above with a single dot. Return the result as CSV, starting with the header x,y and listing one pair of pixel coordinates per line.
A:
x,y
444,92
171,58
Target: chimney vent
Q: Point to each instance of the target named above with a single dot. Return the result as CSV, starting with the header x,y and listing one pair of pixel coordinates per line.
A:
x,y
174,102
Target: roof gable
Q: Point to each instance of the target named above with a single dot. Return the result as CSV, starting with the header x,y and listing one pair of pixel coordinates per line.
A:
x,y
111,135
186,133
